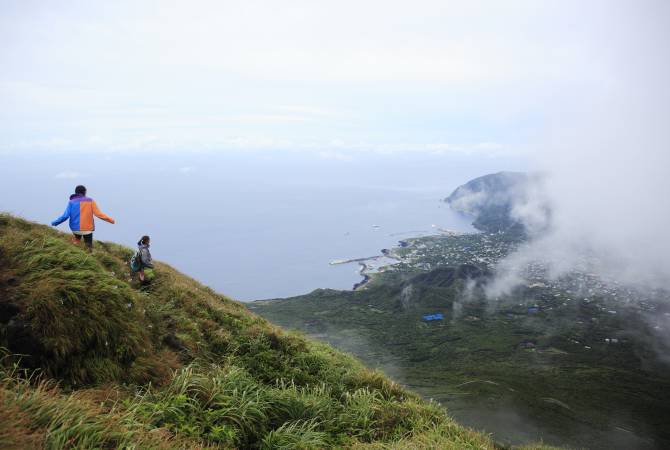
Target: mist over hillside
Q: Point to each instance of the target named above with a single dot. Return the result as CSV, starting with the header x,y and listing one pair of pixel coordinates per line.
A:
x,y
622,254
605,154
502,202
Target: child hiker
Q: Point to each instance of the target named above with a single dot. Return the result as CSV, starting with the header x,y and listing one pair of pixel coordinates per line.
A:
x,y
142,259
80,210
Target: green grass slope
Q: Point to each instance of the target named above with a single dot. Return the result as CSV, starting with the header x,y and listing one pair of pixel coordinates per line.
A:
x,y
92,360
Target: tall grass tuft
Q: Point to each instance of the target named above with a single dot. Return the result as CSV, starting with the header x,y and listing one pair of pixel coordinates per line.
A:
x,y
78,322
300,434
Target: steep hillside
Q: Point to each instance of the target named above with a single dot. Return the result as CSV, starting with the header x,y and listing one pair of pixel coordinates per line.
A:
x,y
93,360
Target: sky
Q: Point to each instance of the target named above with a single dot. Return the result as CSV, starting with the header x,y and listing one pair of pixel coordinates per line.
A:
x,y
331,78
576,90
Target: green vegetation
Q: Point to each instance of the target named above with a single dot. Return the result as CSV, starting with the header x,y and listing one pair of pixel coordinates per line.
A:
x,y
489,200
572,361
93,360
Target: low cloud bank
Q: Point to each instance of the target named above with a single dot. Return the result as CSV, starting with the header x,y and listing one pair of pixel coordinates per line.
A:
x,y
606,161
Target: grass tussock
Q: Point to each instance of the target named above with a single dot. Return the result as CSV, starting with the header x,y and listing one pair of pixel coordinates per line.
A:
x,y
98,361
37,414
228,406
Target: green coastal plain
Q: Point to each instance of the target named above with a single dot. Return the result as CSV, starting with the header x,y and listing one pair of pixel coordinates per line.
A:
x,y
576,361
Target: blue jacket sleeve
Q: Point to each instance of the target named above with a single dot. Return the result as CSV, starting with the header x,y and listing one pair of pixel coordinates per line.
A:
x,y
62,218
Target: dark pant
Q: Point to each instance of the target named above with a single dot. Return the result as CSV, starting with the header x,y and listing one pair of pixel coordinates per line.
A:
x,y
88,239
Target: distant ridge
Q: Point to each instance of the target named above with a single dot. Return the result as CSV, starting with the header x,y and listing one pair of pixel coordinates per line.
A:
x,y
490,200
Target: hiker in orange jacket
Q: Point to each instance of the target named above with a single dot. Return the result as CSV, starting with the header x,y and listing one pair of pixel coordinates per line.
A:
x,y
80,210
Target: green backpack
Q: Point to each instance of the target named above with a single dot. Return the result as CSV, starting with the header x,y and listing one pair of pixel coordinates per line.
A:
x,y
136,262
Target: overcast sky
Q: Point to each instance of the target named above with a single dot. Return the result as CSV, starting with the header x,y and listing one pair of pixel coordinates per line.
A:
x,y
576,89
335,76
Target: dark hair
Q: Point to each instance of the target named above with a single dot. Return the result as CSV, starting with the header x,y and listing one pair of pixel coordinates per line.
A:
x,y
144,240
80,190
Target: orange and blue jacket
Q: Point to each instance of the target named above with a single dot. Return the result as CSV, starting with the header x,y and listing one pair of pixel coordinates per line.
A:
x,y
80,211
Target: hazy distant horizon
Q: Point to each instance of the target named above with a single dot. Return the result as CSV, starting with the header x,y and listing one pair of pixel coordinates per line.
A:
x,y
254,225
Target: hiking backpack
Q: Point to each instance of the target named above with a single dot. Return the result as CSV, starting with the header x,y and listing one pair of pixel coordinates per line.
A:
x,y
136,262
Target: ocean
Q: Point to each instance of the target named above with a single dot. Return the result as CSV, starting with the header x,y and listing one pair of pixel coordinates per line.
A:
x,y
252,225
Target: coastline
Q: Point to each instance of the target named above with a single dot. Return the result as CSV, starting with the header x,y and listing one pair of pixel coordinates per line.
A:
x,y
366,278
366,270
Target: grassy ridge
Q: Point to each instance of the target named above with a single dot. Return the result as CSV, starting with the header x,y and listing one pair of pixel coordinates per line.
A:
x,y
105,363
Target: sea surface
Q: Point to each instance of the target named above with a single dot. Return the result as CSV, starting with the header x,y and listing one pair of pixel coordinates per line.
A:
x,y
251,225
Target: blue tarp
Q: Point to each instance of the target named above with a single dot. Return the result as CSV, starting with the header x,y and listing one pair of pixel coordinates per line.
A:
x,y
438,316
533,310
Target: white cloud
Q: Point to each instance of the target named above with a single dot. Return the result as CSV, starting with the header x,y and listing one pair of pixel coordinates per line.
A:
x,y
388,74
68,175
316,112
212,140
438,41
489,146
336,156
606,156
186,170
272,118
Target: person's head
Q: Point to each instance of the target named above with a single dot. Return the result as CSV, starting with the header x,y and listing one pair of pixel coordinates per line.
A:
x,y
145,240
81,190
